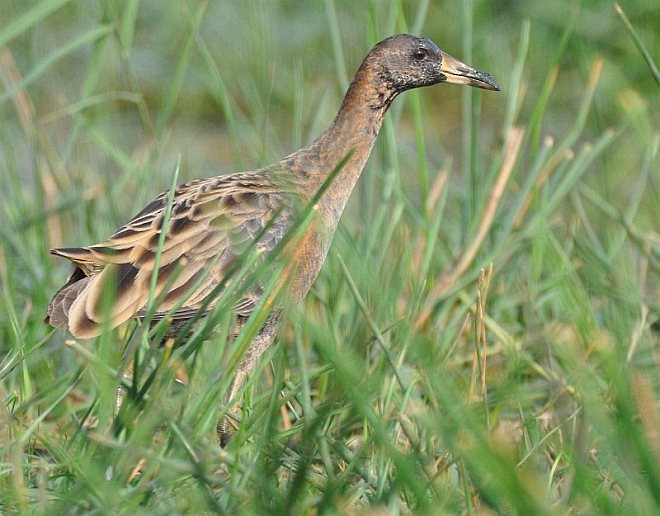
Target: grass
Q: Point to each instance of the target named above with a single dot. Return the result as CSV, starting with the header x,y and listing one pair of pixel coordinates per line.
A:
x,y
484,333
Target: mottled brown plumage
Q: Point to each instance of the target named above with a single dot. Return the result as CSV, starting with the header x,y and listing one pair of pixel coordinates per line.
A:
x,y
213,220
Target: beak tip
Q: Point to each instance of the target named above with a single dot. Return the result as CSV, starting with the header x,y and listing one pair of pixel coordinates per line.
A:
x,y
455,71
486,81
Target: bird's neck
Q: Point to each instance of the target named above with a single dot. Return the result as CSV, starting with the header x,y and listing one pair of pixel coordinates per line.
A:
x,y
347,144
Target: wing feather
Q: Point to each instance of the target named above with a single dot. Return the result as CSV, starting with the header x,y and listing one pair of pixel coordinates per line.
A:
x,y
212,222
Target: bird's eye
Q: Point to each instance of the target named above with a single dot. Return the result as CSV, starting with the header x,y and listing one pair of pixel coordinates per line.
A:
x,y
420,54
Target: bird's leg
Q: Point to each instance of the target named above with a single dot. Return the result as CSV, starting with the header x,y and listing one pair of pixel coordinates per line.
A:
x,y
127,375
227,425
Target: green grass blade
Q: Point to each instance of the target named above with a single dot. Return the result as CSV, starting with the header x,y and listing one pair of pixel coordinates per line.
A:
x,y
638,42
28,19
52,58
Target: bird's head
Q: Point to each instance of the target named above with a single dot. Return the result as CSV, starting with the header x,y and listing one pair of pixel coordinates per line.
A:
x,y
405,62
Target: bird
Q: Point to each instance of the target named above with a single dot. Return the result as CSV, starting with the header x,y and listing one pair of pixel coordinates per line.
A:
x,y
192,238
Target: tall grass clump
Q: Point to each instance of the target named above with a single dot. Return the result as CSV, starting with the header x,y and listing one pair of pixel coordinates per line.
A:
x,y
484,333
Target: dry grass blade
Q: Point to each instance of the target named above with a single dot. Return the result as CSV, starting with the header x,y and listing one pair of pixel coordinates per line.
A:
x,y
482,294
11,76
511,152
647,410
544,174
479,362
425,240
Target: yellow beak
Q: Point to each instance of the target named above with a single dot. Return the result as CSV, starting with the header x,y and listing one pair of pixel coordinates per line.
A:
x,y
460,73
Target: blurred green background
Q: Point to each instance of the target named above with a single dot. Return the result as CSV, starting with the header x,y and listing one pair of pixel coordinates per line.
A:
x,y
270,55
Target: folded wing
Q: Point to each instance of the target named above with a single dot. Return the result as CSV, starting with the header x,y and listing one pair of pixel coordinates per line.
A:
x,y
213,221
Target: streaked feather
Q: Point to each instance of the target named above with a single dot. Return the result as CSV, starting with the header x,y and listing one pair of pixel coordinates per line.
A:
x,y
212,223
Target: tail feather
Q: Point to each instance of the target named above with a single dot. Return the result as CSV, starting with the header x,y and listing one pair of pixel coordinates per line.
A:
x,y
66,310
82,257
57,314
